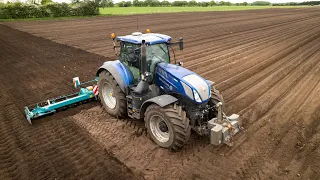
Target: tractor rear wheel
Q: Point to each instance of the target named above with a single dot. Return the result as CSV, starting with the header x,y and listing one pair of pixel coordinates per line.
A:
x,y
168,126
111,96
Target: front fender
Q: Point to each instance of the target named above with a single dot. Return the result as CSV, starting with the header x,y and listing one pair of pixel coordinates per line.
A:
x,y
119,71
162,101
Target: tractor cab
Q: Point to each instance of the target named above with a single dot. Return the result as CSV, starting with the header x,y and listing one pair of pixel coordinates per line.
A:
x,y
156,51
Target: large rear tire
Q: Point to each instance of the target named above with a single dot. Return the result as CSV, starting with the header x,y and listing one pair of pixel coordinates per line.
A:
x,y
111,96
168,126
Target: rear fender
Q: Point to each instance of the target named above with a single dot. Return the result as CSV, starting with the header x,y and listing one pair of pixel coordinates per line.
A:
x,y
120,73
162,101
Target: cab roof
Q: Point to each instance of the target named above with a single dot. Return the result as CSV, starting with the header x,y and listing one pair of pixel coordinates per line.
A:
x,y
150,38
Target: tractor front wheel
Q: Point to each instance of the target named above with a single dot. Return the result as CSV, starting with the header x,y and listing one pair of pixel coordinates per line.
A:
x,y
168,126
216,97
111,96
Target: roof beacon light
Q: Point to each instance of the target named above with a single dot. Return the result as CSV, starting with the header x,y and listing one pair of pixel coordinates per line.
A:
x,y
113,35
148,31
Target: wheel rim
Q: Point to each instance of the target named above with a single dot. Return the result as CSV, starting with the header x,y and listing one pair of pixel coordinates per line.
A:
x,y
159,128
108,96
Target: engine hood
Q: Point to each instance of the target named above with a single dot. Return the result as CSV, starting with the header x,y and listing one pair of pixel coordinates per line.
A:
x,y
178,71
188,81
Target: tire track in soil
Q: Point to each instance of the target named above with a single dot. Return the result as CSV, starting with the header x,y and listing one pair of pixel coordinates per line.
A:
x,y
302,155
251,135
56,149
105,23
125,139
266,145
258,109
231,57
267,91
246,69
241,88
239,39
262,84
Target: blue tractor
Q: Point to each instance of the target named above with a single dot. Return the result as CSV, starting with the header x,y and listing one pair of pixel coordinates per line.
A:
x,y
172,100
144,84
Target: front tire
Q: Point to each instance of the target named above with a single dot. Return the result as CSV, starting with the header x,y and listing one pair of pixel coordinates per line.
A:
x,y
168,126
111,96
216,97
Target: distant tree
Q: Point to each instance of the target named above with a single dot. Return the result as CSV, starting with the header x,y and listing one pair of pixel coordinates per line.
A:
x,y
127,4
136,3
212,3
75,1
154,3
222,3
179,3
244,4
203,4
165,3
228,3
310,3
147,2
30,1
120,4
192,3
106,3
261,3
44,2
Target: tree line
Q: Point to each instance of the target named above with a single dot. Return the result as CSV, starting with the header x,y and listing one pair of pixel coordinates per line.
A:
x,y
165,3
306,3
47,8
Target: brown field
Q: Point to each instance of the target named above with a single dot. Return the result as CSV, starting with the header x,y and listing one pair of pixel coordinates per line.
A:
x,y
266,63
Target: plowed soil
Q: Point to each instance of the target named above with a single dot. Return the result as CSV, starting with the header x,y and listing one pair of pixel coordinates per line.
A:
x,y
266,63
33,69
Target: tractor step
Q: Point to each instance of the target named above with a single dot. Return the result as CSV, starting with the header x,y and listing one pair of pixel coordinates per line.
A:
x,y
129,105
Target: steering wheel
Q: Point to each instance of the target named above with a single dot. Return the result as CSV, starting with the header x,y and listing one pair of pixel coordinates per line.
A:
x,y
134,55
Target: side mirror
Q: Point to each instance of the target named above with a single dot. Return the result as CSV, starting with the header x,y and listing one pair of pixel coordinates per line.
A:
x,y
181,44
180,63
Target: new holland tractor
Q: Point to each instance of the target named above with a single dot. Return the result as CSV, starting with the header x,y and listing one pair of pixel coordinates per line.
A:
x,y
147,84
171,99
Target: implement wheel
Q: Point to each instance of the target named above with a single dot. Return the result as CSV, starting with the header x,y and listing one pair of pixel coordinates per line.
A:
x,y
168,126
111,96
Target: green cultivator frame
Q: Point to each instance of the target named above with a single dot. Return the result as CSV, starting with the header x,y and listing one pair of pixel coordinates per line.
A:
x,y
85,94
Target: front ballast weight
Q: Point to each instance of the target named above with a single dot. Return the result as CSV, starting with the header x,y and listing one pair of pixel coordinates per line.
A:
x,y
223,128
85,94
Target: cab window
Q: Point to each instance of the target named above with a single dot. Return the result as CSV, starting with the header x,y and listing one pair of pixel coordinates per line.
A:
x,y
157,53
130,56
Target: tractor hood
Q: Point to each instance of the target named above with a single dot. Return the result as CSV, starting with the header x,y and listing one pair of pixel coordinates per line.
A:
x,y
184,81
178,71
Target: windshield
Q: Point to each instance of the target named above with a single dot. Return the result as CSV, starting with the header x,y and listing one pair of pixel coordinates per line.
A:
x,y
157,53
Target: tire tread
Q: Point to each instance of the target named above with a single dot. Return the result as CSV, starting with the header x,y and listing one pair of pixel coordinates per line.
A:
x,y
180,123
